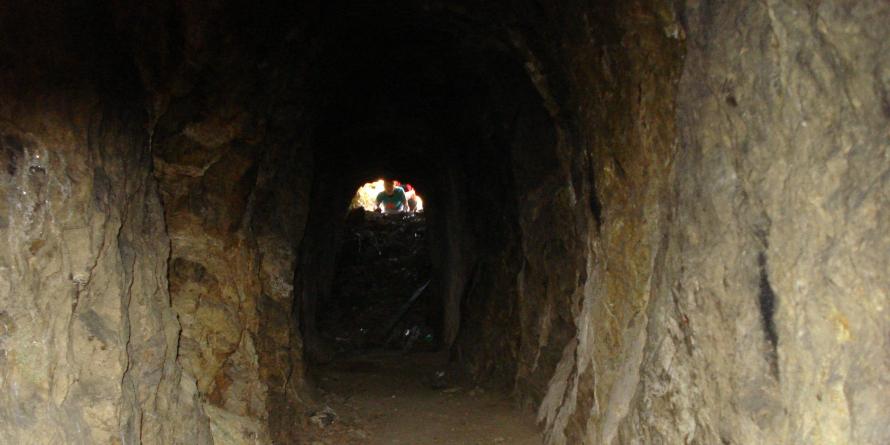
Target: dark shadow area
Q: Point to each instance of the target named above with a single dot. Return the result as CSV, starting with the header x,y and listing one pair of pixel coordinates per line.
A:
x,y
400,89
379,297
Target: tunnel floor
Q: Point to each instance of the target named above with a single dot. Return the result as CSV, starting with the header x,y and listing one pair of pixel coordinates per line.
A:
x,y
384,381
386,397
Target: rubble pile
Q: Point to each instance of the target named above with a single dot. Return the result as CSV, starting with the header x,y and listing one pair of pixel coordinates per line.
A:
x,y
383,262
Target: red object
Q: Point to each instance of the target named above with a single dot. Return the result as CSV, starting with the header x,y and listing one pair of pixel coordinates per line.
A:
x,y
406,187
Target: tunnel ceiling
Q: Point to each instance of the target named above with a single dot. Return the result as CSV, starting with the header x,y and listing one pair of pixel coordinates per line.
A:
x,y
398,84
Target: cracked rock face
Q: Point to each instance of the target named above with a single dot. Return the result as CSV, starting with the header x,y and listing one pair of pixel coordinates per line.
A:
x,y
231,270
88,337
757,310
136,305
777,265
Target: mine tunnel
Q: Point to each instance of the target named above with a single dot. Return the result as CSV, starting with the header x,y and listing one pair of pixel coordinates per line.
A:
x,y
644,222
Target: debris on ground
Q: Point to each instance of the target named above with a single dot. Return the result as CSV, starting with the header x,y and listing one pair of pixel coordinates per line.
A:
x,y
438,380
384,398
323,417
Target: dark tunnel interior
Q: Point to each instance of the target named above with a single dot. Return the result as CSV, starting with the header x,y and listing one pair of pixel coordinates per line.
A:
x,y
404,94
645,221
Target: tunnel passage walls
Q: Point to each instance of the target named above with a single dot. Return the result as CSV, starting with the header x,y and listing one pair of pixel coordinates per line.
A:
x,y
151,225
737,282
773,295
650,221
88,335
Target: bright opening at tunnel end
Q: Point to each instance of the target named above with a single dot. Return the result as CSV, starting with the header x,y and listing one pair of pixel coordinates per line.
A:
x,y
366,196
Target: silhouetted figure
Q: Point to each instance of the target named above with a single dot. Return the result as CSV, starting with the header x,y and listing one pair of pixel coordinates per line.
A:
x,y
392,197
410,195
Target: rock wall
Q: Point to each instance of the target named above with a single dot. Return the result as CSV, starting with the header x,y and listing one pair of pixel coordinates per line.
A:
x,y
771,320
233,229
136,150
589,151
235,179
616,109
88,340
735,291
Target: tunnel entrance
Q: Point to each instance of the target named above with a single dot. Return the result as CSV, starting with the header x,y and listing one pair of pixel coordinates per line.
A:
x,y
366,196
379,297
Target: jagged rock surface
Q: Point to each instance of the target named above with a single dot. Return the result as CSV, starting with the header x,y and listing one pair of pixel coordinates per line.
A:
x,y
88,340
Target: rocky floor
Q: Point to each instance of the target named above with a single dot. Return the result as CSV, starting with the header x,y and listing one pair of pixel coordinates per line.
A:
x,y
385,385
390,398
